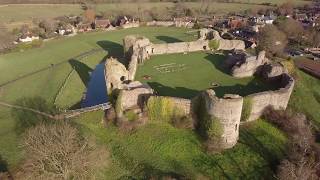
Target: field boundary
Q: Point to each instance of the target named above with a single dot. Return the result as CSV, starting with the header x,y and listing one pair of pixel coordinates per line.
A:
x,y
63,86
61,116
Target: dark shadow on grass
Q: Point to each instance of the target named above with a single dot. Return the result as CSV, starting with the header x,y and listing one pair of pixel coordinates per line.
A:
x,y
218,61
26,119
168,39
209,161
175,92
82,69
254,86
3,165
113,49
248,139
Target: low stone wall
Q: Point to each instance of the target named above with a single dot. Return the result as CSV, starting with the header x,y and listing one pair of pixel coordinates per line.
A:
x,y
183,104
130,25
179,47
185,24
227,111
161,23
231,44
277,99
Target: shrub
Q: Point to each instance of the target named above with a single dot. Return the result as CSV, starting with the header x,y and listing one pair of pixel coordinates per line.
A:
x,y
289,65
214,44
131,115
209,127
29,45
57,151
160,108
246,108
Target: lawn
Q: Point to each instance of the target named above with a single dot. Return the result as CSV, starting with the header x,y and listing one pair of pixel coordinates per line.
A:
x,y
185,75
158,148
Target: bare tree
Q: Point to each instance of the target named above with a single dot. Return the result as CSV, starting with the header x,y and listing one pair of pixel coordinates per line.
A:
x,y
6,39
272,40
57,151
285,8
293,29
302,162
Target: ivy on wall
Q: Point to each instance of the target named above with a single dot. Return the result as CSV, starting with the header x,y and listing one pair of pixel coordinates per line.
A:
x,y
214,44
246,108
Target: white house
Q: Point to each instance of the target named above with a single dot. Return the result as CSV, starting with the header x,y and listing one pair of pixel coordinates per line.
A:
x,y
28,38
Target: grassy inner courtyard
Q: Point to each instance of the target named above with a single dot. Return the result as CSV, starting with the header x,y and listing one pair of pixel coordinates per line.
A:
x,y
185,75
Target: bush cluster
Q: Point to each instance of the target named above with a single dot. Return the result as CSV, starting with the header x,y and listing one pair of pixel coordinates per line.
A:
x,y
208,126
160,108
214,44
25,46
163,109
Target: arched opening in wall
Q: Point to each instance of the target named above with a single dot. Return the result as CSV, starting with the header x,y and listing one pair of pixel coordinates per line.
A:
x,y
236,127
204,47
122,78
152,50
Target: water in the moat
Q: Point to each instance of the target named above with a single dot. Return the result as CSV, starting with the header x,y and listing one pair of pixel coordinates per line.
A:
x,y
96,89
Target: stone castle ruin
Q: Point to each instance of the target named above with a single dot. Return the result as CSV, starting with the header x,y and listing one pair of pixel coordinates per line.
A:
x,y
227,111
211,34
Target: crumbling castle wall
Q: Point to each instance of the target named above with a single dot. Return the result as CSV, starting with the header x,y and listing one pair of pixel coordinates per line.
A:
x,y
135,94
184,105
210,34
115,74
246,65
179,47
227,111
277,99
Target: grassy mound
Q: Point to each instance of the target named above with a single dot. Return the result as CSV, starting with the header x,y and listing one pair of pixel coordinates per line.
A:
x,y
159,148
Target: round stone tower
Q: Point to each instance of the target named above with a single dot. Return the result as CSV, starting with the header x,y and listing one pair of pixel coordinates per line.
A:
x,y
226,114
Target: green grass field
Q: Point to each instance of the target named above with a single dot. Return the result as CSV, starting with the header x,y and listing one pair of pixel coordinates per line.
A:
x,y
185,75
159,148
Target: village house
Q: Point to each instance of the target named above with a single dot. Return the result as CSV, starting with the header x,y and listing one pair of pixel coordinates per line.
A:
x,y
237,22
66,30
28,37
84,27
101,23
